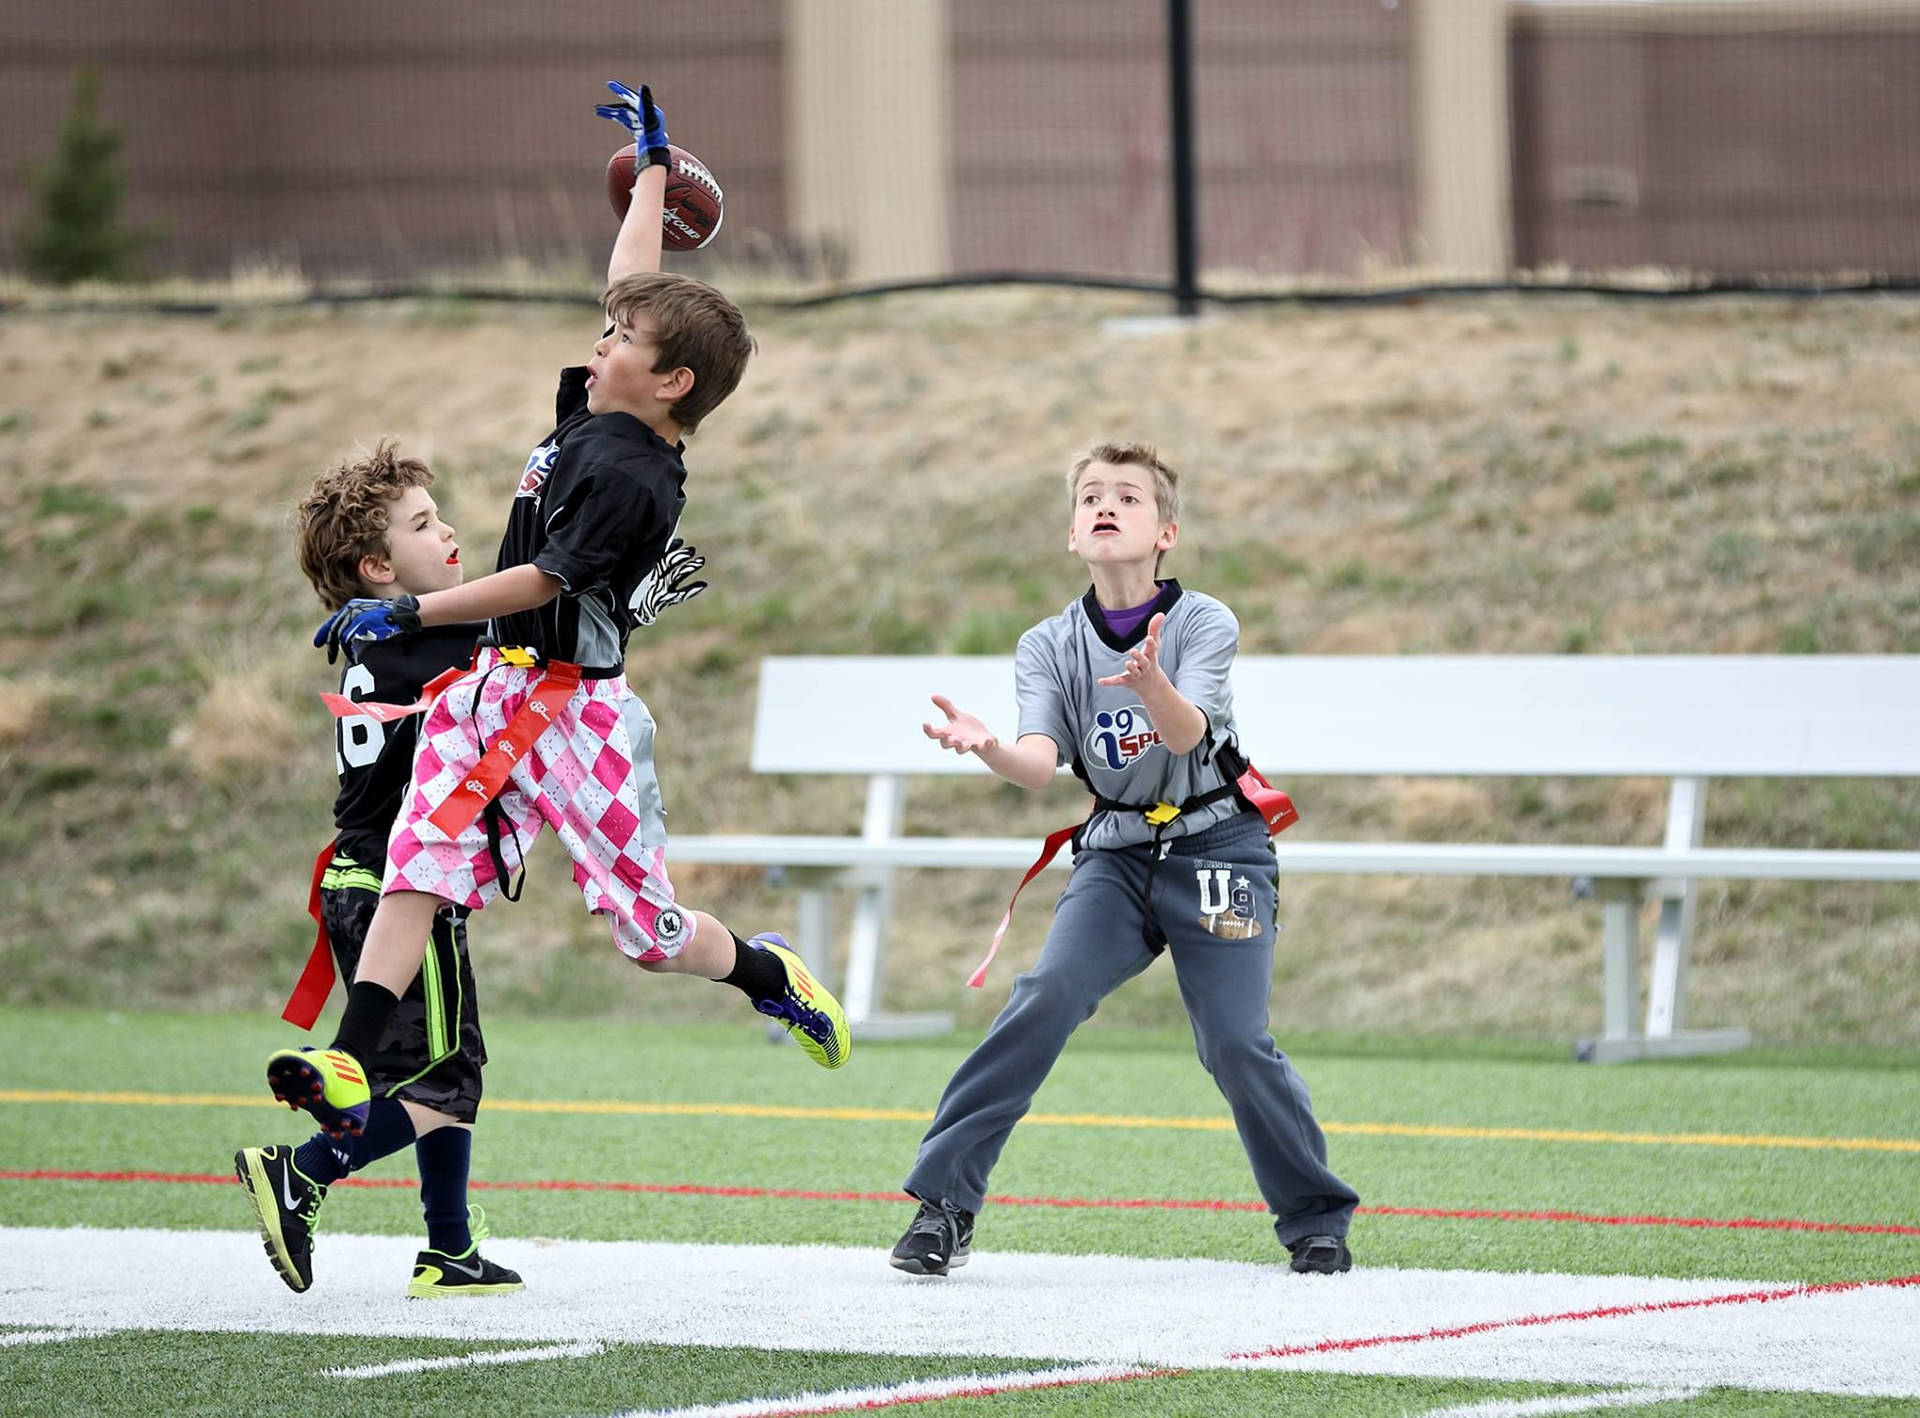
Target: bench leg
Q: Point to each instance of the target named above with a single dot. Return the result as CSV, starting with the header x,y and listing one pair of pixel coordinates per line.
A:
x,y
1667,992
1620,974
1667,1035
815,923
886,803
1672,948
1620,951
1673,942
872,915
1620,948
812,934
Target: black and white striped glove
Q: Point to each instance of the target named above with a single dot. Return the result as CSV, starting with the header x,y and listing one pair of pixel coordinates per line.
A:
x,y
668,584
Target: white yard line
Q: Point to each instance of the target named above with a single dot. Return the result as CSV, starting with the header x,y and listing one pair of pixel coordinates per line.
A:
x,y
461,1361
1570,1403
1067,1309
879,1396
47,1336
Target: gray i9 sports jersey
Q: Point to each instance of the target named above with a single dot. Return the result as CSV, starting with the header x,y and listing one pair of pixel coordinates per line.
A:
x,y
1106,730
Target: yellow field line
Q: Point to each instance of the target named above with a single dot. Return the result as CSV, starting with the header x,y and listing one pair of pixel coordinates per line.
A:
x,y
1084,1120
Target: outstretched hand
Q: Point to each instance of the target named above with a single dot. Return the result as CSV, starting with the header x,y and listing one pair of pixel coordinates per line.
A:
x,y
1143,660
363,620
671,583
962,732
640,116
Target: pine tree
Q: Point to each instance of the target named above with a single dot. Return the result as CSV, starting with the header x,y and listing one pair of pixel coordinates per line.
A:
x,y
74,230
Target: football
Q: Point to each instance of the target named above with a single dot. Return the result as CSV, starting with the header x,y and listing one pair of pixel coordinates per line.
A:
x,y
694,205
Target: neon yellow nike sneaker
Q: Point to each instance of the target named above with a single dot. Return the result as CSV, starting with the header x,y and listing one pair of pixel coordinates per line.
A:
x,y
806,1007
437,1276
328,1083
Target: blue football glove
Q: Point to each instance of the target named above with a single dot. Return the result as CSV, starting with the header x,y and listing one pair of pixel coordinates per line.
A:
x,y
365,619
640,116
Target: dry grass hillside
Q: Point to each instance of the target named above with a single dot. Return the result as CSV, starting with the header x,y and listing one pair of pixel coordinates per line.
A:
x,y
1491,475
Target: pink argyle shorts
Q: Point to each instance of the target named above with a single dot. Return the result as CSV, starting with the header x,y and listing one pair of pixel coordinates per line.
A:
x,y
589,777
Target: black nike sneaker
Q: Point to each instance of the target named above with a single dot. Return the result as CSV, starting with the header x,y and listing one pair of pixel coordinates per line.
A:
x,y
287,1206
1320,1255
437,1276
940,1238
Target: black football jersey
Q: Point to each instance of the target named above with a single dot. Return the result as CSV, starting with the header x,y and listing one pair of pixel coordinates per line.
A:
x,y
596,506
375,760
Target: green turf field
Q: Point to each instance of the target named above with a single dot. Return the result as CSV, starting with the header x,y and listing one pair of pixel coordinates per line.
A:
x,y
1602,1172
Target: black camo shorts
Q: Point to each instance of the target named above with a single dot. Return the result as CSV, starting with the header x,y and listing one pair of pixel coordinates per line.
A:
x,y
431,1052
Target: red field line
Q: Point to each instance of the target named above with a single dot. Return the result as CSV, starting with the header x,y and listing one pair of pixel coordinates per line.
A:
x,y
1431,1213
1744,1297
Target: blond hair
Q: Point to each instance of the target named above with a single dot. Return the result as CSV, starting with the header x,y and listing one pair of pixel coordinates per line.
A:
x,y
1166,482
693,325
343,518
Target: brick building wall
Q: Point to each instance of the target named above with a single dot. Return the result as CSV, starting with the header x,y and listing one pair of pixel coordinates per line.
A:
x,y
1770,143
1303,121
397,141
392,139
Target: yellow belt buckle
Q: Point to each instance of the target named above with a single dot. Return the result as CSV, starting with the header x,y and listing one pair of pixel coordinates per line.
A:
x,y
519,655
1160,814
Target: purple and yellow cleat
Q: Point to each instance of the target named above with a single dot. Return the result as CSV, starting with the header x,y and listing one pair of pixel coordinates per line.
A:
x,y
806,1007
328,1083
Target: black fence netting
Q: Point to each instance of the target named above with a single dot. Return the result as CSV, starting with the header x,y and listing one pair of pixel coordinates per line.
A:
x,y
1334,143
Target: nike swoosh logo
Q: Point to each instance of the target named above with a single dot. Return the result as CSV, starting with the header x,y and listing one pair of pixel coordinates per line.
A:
x,y
471,1272
286,1190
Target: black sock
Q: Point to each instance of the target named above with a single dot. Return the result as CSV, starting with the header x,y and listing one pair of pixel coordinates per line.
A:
x,y
369,1007
324,1162
444,1156
758,974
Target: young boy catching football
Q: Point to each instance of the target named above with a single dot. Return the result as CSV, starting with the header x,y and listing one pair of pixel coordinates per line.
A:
x,y
1129,686
543,730
369,528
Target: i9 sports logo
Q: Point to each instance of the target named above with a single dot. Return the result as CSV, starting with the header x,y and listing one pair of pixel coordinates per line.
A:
x,y
539,463
1119,736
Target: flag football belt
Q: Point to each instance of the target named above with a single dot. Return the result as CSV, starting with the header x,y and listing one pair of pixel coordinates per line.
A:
x,y
316,980
558,680
345,708
1276,810
550,694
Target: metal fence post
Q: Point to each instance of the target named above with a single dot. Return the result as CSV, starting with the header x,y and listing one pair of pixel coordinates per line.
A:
x,y
1186,239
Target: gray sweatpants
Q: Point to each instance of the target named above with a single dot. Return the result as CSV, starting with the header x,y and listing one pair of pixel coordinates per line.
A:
x,y
1212,901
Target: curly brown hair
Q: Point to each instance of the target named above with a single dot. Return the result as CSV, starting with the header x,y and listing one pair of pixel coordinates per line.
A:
x,y
344,518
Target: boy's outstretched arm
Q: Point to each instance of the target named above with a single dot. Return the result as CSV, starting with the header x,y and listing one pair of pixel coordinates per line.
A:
x,y
518,588
637,249
364,619
1029,763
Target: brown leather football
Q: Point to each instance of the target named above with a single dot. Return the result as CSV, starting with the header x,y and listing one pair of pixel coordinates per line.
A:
x,y
694,205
